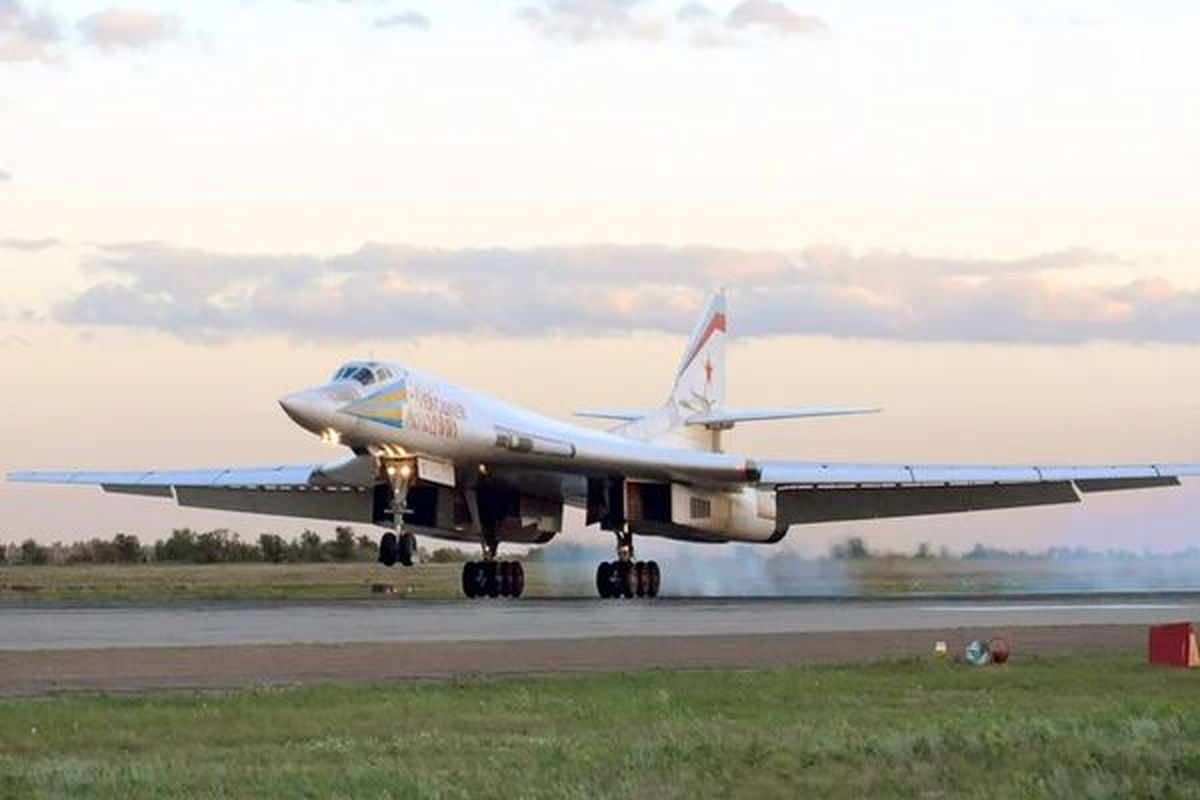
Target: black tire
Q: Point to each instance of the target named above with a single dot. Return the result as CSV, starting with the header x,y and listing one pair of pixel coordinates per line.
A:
x,y
626,579
604,579
641,579
518,579
387,549
468,579
504,578
492,582
653,579
406,549
479,578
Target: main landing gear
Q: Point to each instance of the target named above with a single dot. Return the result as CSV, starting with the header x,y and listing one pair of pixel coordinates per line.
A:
x,y
626,577
492,578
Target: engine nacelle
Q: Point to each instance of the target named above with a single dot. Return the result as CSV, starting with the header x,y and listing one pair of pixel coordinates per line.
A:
x,y
691,513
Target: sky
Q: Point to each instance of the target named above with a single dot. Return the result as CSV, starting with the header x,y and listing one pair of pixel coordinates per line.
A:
x,y
979,215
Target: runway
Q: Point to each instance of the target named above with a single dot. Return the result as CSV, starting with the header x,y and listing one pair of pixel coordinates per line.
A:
x,y
54,646
55,626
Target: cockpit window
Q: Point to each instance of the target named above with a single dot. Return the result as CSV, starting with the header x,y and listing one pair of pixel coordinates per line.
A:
x,y
365,373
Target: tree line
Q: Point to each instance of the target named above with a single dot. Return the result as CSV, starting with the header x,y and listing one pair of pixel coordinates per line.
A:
x,y
218,546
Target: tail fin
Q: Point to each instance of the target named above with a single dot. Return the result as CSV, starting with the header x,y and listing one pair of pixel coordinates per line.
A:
x,y
700,380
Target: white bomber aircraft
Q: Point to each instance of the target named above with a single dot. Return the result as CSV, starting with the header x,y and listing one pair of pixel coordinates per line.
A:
x,y
431,458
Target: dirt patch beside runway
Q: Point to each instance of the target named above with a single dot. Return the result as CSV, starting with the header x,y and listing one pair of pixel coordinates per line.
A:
x,y
131,669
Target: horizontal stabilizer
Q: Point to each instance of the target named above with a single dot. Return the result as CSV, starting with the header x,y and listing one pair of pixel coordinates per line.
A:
x,y
723,417
621,414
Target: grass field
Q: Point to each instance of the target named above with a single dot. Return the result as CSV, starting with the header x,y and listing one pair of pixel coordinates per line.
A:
x,y
1034,728
348,581
331,581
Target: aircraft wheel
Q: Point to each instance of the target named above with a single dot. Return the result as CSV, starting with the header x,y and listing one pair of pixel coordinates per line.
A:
x,y
653,579
604,579
468,579
626,579
492,581
641,579
387,549
504,577
479,578
406,549
518,579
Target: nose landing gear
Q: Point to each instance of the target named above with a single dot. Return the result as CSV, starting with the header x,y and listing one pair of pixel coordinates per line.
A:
x,y
397,548
400,546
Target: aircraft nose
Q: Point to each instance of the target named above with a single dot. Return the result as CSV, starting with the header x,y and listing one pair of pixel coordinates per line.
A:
x,y
305,408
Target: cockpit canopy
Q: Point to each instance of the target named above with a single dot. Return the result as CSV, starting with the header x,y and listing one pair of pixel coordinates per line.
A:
x,y
364,372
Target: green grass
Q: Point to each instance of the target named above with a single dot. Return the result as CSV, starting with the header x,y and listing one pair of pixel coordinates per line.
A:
x,y
333,581
880,576
1035,728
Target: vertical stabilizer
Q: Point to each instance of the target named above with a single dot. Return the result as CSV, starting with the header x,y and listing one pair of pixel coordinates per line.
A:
x,y
700,380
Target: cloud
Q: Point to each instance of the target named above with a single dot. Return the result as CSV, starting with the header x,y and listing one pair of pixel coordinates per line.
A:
x,y
413,20
588,20
1060,21
694,12
774,16
127,28
705,28
602,290
25,35
28,245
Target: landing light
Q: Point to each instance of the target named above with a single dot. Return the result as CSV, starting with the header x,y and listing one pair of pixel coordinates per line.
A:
x,y
406,471
331,436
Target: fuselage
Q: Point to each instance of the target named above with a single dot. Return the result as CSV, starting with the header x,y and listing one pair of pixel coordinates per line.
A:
x,y
404,410
388,410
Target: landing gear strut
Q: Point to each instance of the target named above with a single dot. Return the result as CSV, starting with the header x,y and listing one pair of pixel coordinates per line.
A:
x,y
626,577
492,578
400,546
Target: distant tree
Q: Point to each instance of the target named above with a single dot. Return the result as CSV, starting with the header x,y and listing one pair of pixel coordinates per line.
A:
x,y
978,553
34,553
212,546
274,549
367,549
923,551
180,546
309,547
126,548
342,546
448,555
853,548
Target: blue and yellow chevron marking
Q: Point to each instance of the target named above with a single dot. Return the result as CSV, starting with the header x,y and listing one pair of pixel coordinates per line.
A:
x,y
385,406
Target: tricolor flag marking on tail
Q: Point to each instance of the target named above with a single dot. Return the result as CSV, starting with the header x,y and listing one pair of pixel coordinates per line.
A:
x,y
715,323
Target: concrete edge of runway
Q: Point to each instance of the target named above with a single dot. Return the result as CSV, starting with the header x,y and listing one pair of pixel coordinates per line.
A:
x,y
41,672
171,603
